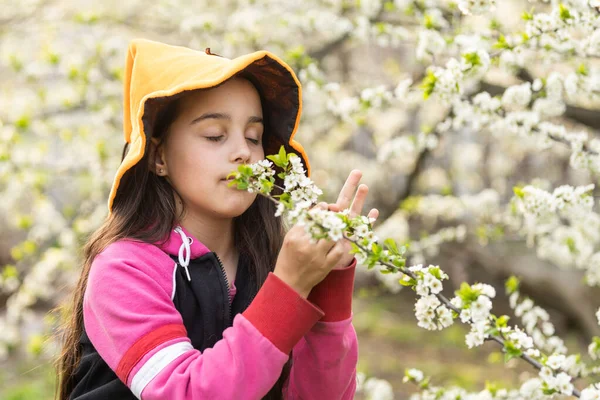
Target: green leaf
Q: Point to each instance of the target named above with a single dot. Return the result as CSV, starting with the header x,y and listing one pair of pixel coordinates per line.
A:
x,y
372,260
547,391
232,175
428,84
86,18
376,249
495,24
117,73
380,27
280,159
391,246
583,70
492,331
245,170
101,149
467,294
398,262
472,58
242,185
564,12
23,122
53,58
15,63
10,271
275,159
355,251
492,388
510,356
512,285
570,242
519,192
282,154
24,222
286,199
410,204
501,43
411,282
502,321
266,186
526,16
296,53
424,384
36,344
73,73
511,351
428,22
435,271
22,250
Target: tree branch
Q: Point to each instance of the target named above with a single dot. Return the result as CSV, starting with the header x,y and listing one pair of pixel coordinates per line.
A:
x,y
584,116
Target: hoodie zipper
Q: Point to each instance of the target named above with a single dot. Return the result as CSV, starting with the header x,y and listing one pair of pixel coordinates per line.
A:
x,y
227,285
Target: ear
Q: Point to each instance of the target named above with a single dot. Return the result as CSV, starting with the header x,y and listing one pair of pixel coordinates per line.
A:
x,y
158,163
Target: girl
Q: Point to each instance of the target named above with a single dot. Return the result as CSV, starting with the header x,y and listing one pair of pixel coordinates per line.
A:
x,y
192,289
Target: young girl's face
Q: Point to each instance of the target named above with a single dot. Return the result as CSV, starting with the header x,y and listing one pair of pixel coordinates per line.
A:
x,y
216,130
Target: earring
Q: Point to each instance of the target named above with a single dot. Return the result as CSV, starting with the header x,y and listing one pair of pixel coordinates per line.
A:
x,y
160,171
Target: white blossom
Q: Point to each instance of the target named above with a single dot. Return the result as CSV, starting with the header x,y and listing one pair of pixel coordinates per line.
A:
x,y
518,94
476,6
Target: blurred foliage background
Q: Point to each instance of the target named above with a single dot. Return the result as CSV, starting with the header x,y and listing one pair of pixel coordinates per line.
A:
x,y
361,64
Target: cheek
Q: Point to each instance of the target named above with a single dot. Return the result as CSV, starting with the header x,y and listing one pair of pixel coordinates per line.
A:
x,y
190,165
259,154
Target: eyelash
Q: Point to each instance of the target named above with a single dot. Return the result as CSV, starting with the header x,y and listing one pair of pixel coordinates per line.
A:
x,y
218,139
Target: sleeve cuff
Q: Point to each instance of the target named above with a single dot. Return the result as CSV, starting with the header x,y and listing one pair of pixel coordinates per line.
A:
x,y
281,314
334,294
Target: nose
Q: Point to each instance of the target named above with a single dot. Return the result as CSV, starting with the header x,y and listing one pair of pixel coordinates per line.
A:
x,y
241,152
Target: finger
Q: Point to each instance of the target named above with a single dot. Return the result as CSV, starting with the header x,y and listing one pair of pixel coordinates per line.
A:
x,y
347,192
322,205
374,213
359,200
333,207
324,246
336,253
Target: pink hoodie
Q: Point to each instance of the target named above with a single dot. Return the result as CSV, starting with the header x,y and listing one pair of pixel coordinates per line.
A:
x,y
130,319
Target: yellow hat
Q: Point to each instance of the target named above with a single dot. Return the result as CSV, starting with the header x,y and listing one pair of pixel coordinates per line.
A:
x,y
154,72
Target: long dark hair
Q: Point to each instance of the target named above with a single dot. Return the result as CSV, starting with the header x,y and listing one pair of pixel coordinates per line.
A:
x,y
145,199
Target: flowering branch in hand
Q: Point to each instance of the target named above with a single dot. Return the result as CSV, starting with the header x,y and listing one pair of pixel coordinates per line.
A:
x,y
433,310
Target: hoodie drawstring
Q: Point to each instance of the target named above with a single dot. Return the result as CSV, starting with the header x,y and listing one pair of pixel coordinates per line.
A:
x,y
184,261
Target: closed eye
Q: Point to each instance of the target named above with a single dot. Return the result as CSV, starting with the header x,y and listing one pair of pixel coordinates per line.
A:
x,y
219,138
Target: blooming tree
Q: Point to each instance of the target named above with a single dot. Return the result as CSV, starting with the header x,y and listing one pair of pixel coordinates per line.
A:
x,y
472,304
473,121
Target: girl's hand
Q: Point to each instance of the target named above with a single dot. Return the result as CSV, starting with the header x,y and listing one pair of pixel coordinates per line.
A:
x,y
344,201
301,263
